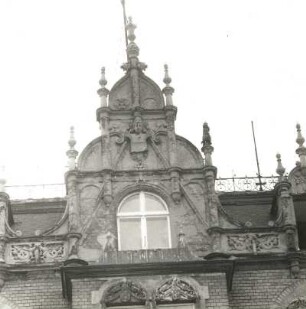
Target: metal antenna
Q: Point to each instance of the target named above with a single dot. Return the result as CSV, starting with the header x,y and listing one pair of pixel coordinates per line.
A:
x,y
125,23
260,183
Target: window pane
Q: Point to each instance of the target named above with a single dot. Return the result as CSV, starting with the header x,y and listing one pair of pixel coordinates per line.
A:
x,y
152,203
131,204
130,234
157,230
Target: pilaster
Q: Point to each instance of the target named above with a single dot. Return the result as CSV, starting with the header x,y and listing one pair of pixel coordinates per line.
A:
x,y
73,214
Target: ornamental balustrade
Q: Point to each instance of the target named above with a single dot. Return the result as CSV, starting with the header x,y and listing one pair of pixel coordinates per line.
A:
x,y
234,184
222,185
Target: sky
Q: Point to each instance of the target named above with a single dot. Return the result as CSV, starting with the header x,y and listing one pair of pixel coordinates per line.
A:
x,y
231,62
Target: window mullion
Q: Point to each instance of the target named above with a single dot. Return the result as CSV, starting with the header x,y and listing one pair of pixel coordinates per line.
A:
x,y
144,233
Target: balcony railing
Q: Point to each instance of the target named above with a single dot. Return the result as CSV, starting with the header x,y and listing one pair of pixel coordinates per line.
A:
x,y
245,184
222,185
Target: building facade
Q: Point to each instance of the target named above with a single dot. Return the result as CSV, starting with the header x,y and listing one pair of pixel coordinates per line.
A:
x,y
146,224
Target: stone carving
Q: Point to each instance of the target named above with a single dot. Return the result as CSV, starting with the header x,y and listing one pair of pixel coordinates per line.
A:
x,y
175,290
2,217
253,242
297,304
37,252
125,292
138,133
123,103
297,179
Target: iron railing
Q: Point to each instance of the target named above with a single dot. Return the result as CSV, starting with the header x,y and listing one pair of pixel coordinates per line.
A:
x,y
233,184
246,184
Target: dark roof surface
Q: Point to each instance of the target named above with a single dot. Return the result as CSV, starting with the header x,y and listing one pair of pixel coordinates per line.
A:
x,y
254,207
36,216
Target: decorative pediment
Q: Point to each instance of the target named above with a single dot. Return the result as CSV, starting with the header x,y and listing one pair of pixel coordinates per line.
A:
x,y
175,290
124,293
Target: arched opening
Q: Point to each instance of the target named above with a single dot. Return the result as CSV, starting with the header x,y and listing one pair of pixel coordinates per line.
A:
x,y
143,222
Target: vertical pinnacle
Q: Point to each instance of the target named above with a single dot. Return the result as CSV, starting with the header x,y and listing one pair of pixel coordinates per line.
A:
x,y
207,147
103,80
300,139
301,150
167,79
103,91
206,135
71,153
280,170
168,90
72,140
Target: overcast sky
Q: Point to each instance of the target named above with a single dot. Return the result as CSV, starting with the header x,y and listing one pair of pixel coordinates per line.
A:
x,y
230,62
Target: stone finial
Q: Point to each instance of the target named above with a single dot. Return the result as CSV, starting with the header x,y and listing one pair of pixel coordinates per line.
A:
x,y
168,90
132,48
2,179
167,79
72,153
280,170
103,91
206,135
130,28
207,148
301,150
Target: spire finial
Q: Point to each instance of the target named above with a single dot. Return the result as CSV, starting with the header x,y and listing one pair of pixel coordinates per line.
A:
x,y
206,135
167,79
132,48
280,170
103,91
301,150
168,90
130,27
207,147
71,153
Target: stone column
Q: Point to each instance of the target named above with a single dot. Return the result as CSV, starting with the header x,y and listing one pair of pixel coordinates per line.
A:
x,y
286,208
74,234
212,207
4,200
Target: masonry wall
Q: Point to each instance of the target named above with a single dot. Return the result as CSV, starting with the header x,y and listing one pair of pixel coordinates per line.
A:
x,y
35,290
262,289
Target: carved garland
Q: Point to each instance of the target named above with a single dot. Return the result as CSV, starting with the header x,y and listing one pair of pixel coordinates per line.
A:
x,y
37,252
125,292
253,242
175,290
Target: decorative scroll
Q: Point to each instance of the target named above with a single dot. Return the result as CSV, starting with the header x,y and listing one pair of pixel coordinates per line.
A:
x,y
297,304
253,242
126,292
245,184
37,252
175,290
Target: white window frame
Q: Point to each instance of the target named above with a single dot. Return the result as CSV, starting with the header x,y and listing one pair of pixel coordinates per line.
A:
x,y
142,214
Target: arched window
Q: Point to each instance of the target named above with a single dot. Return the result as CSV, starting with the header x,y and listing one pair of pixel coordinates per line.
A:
x,y
143,222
